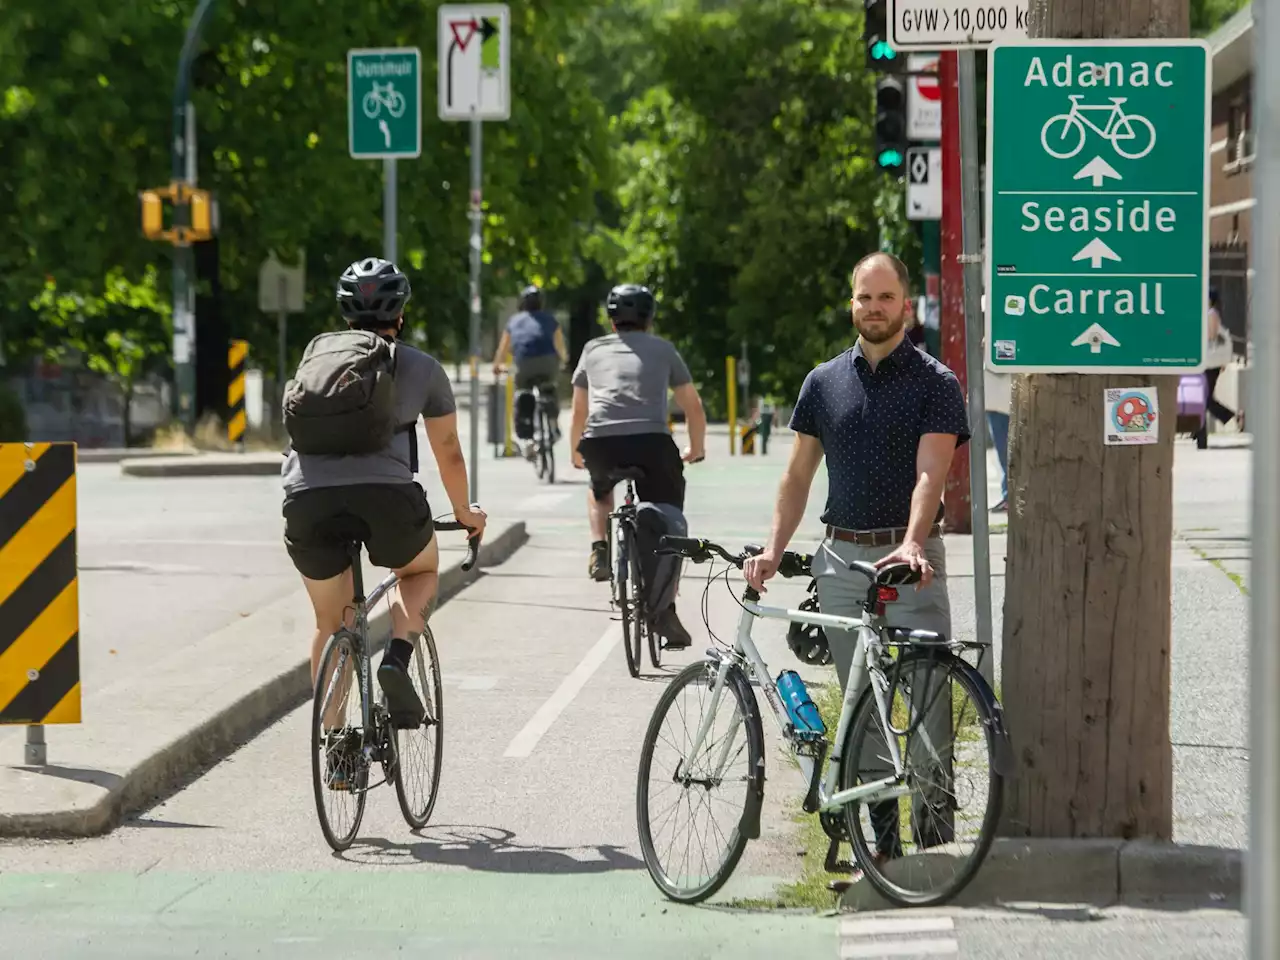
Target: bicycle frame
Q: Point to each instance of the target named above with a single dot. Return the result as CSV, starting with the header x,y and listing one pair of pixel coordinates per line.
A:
x,y
868,645
1115,113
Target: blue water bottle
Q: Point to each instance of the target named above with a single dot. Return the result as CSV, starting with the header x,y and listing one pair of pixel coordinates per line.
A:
x,y
802,711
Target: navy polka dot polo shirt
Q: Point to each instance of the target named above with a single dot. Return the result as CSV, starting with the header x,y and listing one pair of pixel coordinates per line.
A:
x,y
870,424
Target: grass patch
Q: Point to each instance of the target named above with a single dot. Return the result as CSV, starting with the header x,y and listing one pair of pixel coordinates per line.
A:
x,y
1215,562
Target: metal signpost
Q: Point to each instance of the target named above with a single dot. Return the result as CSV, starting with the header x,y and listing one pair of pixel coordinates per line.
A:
x,y
1262,869
474,84
384,118
964,26
1097,200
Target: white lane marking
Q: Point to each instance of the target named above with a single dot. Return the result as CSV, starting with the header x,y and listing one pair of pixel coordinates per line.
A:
x,y
542,501
541,721
899,948
465,681
879,926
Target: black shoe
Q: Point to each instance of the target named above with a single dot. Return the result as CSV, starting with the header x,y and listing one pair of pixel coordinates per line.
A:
x,y
667,625
406,709
598,568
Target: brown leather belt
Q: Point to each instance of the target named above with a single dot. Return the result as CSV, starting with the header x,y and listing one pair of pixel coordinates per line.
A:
x,y
876,538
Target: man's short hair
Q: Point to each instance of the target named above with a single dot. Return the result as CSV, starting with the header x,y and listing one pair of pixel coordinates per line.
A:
x,y
900,268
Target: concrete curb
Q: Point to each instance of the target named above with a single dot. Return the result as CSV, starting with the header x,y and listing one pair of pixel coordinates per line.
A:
x,y
1101,873
190,752
205,465
116,454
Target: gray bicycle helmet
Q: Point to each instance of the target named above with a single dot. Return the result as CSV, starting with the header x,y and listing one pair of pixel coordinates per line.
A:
x,y
630,305
372,293
808,641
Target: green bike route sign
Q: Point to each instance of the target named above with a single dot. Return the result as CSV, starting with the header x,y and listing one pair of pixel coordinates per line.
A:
x,y
1097,206
384,103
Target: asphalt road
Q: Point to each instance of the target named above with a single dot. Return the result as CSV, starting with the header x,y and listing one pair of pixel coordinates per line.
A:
x,y
532,849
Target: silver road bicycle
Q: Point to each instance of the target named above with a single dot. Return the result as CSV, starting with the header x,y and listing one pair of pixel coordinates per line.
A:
x,y
904,768
351,734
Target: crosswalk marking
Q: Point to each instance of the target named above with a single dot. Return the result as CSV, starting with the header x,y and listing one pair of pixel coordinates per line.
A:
x,y
860,937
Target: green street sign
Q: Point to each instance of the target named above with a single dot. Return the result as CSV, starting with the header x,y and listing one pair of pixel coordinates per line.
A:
x,y
1097,206
384,103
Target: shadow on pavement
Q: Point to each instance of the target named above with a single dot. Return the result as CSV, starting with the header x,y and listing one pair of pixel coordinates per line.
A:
x,y
490,849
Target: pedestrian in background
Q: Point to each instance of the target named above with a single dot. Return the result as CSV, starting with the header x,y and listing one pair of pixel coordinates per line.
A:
x,y
997,391
1217,356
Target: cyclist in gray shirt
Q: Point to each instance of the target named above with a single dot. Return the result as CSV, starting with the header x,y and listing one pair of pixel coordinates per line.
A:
x,y
620,420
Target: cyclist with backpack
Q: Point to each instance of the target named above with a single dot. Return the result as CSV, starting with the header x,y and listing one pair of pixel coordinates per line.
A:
x,y
536,342
351,412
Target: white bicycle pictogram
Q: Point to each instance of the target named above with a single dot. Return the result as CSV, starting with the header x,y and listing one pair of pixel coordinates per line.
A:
x,y
1120,127
383,96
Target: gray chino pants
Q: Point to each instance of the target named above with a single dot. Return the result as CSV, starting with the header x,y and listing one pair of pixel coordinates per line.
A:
x,y
840,591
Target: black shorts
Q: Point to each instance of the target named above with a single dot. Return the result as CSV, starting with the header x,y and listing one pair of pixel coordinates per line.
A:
x,y
393,520
654,453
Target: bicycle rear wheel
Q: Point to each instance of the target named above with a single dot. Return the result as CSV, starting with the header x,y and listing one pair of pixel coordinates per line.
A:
x,y
945,697
644,616
731,757
339,769
548,451
629,598
420,750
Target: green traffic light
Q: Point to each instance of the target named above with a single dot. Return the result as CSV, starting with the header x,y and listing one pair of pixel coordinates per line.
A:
x,y
881,50
890,158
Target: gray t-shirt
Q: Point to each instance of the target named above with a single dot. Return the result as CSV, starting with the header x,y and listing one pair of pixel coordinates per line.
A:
x,y
627,376
422,388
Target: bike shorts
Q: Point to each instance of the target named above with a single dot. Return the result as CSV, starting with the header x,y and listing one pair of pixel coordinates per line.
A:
x,y
393,520
654,453
541,370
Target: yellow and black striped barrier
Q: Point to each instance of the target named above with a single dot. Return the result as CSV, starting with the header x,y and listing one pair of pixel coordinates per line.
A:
x,y
236,356
39,589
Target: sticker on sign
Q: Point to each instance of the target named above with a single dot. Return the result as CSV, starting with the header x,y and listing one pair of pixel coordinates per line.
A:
x,y
956,25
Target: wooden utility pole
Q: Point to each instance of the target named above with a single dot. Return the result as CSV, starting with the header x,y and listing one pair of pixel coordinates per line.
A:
x,y
1087,620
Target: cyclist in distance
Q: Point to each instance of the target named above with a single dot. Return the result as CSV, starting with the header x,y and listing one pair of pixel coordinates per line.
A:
x,y
537,345
620,420
351,412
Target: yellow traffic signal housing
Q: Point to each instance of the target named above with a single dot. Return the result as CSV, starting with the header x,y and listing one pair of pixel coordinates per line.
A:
x,y
201,218
152,215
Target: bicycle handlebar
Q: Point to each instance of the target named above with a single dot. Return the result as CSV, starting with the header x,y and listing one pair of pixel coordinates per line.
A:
x,y
793,564
473,543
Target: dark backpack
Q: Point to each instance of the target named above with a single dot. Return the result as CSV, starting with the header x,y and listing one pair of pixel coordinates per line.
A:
x,y
342,399
661,571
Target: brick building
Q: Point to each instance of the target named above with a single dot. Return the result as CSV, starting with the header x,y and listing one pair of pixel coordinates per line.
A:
x,y
1231,159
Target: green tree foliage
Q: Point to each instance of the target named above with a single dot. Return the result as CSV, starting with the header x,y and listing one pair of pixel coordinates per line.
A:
x,y
1208,15
86,122
748,190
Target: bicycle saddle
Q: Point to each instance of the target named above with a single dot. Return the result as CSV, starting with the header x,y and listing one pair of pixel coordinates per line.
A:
x,y
894,575
626,473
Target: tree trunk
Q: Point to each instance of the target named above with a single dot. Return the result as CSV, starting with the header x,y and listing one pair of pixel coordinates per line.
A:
x,y
1088,603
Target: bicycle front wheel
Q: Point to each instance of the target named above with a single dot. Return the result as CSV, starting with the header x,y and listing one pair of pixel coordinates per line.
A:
x,y
339,769
548,449
671,783
421,750
923,848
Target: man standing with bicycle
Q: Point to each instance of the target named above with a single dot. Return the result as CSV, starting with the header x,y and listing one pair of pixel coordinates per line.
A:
x,y
537,346
620,420
888,418
351,411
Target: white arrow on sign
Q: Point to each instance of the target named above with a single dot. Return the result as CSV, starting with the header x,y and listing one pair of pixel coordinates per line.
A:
x,y
1095,336
1099,170
1095,251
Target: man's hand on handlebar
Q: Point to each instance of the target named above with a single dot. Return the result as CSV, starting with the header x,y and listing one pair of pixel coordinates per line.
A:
x,y
756,570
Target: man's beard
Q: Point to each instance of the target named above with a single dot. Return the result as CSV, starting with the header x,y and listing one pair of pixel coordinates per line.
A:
x,y
889,329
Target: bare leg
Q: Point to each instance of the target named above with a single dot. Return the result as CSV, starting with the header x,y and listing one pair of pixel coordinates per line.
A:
x,y
414,595
331,601
598,514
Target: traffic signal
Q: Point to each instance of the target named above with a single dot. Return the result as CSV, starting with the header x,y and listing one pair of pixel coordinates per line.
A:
x,y
152,214
875,34
891,125
201,218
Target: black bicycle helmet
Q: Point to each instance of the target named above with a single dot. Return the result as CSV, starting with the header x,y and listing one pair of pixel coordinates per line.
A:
x,y
808,641
531,298
630,305
372,293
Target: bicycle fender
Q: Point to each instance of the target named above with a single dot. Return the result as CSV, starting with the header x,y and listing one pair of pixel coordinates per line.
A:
x,y
1002,757
749,823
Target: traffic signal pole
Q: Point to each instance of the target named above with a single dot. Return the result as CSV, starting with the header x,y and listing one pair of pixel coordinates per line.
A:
x,y
183,171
